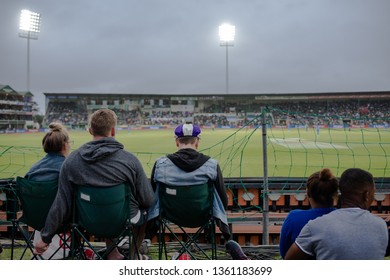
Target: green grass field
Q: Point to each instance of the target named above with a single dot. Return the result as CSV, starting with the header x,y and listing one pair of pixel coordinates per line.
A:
x,y
295,153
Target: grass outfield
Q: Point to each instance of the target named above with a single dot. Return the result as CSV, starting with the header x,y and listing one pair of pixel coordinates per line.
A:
x,y
291,153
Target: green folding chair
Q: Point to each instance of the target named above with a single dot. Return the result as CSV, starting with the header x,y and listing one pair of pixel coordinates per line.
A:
x,y
35,200
183,208
102,212
9,207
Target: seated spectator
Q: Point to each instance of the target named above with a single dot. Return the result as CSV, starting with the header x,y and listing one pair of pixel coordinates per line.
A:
x,y
56,144
322,190
348,233
188,166
101,162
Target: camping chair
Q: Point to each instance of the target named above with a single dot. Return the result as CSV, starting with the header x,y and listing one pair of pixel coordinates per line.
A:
x,y
103,212
187,207
35,199
8,207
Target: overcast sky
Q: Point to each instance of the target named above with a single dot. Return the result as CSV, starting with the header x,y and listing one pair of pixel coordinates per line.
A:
x,y
172,46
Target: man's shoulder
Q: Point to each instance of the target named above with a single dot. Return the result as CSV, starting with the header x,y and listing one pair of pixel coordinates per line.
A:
x,y
323,219
162,159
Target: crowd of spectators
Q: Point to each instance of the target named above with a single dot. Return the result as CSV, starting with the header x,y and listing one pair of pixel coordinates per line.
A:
x,y
68,113
340,113
166,117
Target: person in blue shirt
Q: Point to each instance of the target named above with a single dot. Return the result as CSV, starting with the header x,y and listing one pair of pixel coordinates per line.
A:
x,y
57,145
322,191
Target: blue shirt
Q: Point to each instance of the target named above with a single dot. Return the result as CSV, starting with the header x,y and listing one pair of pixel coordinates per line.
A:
x,y
294,223
46,169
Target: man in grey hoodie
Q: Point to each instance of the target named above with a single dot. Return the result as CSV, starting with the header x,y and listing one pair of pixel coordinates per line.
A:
x,y
100,162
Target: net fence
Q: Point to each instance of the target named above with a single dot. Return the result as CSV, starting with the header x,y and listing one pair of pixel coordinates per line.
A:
x,y
297,145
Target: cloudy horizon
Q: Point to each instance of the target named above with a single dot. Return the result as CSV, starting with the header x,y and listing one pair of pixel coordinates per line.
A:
x,y
172,46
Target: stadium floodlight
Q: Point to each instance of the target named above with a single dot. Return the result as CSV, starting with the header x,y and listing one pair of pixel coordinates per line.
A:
x,y
226,34
226,38
30,24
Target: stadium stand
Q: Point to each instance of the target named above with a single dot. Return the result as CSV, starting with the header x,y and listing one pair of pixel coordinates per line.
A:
x,y
337,110
16,110
291,110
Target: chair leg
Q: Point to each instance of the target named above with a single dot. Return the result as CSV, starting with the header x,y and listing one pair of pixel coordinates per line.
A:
x,y
138,234
27,237
194,238
13,238
79,241
161,242
213,242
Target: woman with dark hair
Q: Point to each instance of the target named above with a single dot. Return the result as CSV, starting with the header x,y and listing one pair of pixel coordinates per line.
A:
x,y
322,191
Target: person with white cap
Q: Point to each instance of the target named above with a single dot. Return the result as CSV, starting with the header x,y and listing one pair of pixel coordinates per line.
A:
x,y
188,166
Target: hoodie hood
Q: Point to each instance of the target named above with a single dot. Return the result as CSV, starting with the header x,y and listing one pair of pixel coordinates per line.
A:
x,y
96,150
188,159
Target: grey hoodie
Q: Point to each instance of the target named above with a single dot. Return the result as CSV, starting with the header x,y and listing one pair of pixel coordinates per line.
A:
x,y
97,163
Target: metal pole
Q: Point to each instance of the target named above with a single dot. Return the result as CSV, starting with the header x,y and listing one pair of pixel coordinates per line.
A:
x,y
265,189
227,69
28,61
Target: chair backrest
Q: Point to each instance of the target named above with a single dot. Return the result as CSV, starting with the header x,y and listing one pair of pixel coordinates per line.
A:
x,y
102,211
187,206
36,199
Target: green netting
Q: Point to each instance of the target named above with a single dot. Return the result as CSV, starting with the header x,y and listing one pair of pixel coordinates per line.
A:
x,y
303,148
17,160
298,144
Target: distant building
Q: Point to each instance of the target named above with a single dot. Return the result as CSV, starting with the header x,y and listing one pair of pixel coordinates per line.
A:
x,y
17,109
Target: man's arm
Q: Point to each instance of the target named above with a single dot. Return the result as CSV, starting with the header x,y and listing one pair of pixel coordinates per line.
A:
x,y
152,182
295,253
388,242
220,187
144,191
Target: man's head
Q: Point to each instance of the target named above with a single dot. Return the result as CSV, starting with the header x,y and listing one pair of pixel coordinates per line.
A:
x,y
357,188
187,134
102,123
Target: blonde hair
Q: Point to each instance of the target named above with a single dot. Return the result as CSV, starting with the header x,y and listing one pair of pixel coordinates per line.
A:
x,y
55,139
102,121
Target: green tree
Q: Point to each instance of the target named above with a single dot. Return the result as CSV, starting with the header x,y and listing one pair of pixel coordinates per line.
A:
x,y
39,119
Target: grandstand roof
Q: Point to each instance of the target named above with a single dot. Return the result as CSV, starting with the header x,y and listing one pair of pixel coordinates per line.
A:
x,y
258,96
26,93
7,89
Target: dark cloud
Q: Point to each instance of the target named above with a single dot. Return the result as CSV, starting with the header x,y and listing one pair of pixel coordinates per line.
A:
x,y
172,46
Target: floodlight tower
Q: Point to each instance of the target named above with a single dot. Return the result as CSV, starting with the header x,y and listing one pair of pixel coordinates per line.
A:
x,y
226,38
29,28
